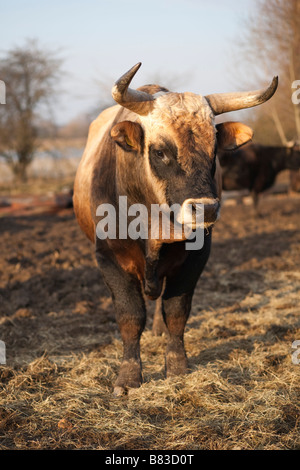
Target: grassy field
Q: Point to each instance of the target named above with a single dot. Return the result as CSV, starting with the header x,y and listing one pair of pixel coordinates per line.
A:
x,y
63,347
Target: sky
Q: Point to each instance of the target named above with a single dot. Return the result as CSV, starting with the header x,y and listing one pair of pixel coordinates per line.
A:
x,y
184,43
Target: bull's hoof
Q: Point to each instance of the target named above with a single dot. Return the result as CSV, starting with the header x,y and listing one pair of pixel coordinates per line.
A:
x,y
130,376
176,364
119,392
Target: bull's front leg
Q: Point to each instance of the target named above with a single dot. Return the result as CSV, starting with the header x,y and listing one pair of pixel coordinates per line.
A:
x,y
152,285
131,318
176,306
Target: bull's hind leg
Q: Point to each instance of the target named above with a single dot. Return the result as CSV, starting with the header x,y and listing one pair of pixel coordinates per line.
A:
x,y
176,311
131,318
159,326
176,306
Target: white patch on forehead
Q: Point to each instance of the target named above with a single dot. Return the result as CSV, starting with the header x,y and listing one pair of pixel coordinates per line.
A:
x,y
170,106
160,93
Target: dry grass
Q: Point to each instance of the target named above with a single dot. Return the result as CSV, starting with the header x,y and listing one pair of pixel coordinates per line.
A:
x,y
64,350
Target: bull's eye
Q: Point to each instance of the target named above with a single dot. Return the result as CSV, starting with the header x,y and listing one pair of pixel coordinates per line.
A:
x,y
162,156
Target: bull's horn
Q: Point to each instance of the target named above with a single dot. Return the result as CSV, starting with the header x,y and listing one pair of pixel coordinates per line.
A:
x,y
137,101
225,102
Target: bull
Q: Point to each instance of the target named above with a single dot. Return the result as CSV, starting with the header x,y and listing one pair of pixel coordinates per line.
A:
x,y
255,167
156,148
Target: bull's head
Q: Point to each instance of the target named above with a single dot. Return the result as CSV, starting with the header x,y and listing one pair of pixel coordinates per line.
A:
x,y
177,136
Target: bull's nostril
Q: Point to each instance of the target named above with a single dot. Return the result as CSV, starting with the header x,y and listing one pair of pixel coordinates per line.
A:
x,y
211,212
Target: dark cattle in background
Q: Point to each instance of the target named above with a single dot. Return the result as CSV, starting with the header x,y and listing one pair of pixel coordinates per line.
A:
x,y
255,167
295,180
156,147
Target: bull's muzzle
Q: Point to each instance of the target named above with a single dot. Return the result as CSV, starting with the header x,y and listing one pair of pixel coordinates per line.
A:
x,y
200,213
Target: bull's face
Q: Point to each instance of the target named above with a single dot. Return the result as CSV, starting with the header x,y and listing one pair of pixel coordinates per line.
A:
x,y
178,139
180,145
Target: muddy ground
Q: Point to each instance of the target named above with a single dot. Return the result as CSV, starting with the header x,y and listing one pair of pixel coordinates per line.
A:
x,y
63,348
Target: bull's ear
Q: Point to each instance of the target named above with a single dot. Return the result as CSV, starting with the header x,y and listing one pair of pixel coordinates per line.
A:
x,y
231,135
128,135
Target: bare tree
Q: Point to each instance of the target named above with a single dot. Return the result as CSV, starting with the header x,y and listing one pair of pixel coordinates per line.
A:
x,y
270,44
30,74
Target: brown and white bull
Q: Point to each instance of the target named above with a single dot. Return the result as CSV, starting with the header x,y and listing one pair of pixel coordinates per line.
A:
x,y
156,147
